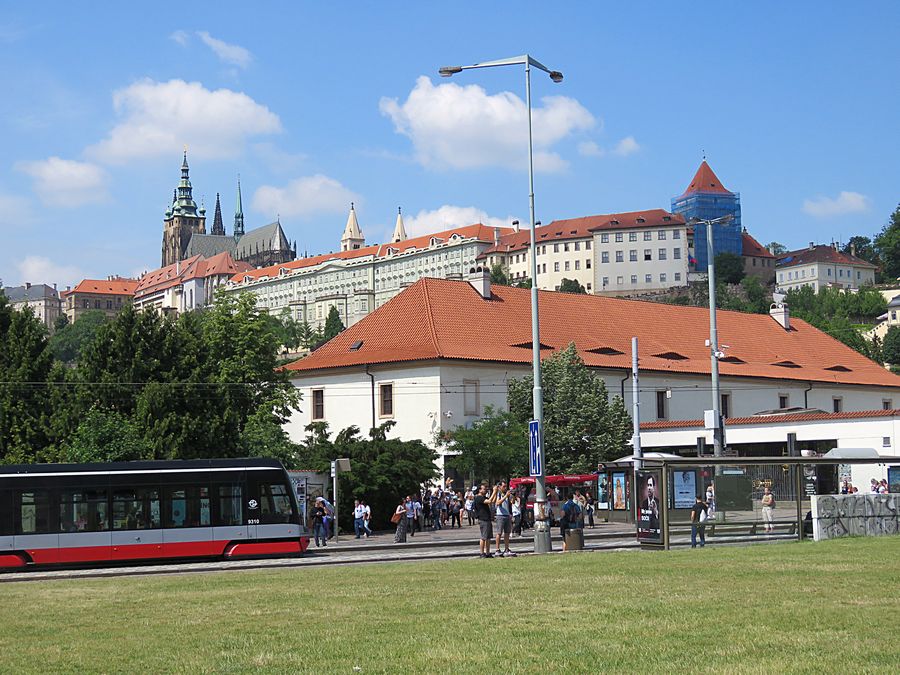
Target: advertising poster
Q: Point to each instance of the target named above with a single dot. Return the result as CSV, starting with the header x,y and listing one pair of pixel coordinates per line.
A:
x,y
685,489
603,491
648,521
618,491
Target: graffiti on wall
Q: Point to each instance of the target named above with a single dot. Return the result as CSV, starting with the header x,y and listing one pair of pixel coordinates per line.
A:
x,y
855,515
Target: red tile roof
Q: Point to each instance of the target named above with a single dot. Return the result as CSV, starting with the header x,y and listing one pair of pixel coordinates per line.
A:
x,y
583,228
768,420
753,248
195,267
106,287
705,180
477,231
821,253
443,319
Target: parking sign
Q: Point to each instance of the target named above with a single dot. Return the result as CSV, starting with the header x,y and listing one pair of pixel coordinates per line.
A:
x,y
535,451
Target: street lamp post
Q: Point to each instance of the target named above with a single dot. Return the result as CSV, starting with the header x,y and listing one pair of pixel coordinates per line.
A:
x,y
541,526
714,353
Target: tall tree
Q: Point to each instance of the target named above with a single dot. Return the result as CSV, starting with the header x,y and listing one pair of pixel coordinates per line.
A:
x,y
571,286
492,447
582,425
887,243
891,346
498,275
776,248
729,268
70,339
333,323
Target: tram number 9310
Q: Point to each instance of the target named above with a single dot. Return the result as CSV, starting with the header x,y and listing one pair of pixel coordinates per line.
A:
x,y
253,521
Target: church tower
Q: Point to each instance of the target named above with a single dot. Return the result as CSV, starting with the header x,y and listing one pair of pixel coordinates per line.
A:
x,y
182,219
352,238
399,230
238,214
218,227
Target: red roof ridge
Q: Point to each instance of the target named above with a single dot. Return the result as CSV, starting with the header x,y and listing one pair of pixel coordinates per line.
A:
x,y
706,180
431,329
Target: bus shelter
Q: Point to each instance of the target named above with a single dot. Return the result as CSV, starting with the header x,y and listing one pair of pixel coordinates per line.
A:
x,y
660,493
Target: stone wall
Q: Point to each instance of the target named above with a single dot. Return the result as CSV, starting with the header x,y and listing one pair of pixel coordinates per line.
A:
x,y
858,515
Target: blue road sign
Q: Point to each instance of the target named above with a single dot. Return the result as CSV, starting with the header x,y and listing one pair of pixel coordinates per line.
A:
x,y
535,451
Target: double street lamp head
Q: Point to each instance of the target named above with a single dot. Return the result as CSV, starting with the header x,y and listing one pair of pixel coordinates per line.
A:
x,y
448,71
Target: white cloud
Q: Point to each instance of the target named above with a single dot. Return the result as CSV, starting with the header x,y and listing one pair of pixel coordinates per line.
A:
x,y
590,149
447,217
845,202
15,210
463,127
65,182
158,118
626,146
304,197
228,53
39,270
180,36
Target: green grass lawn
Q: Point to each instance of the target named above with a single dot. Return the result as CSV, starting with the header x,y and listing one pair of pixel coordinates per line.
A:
x,y
827,607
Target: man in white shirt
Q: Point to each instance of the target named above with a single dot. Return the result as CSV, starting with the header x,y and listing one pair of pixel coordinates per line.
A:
x,y
366,518
359,515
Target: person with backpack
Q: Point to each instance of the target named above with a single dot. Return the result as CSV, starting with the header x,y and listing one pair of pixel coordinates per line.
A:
x,y
768,509
699,514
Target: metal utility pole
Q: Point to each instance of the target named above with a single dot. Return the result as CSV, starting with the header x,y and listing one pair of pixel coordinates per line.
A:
x,y
636,406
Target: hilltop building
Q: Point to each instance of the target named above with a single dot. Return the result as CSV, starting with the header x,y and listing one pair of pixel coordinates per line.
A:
x,y
42,299
707,199
184,232
107,295
758,260
820,266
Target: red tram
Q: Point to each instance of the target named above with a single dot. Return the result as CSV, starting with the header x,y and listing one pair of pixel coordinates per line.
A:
x,y
70,514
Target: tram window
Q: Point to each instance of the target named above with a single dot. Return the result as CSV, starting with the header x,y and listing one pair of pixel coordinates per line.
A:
x,y
136,508
83,511
230,504
187,506
274,503
34,515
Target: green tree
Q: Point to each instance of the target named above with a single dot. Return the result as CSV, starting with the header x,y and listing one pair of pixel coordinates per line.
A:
x,y
776,248
333,324
887,243
263,436
106,436
758,298
571,286
498,275
891,346
729,268
70,339
863,248
492,447
524,282
61,322
582,425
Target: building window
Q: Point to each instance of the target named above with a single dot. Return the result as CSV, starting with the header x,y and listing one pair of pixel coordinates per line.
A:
x,y
577,245
661,412
858,274
606,281
676,253
618,237
837,404
885,441
677,276
840,273
109,304
86,303
620,256
620,280
662,278
632,236
318,411
587,246
604,238
887,404
648,278
661,235
556,267
632,255
662,254
829,271
648,254
754,262
470,397
676,234
387,400
725,407
544,268
783,401
587,263
589,287
566,247
634,278
567,265
96,304
648,236
604,257
556,248
577,264
781,276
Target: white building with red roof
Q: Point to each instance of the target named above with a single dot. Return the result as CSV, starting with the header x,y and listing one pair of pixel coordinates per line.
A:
x,y
821,266
360,278
186,284
434,356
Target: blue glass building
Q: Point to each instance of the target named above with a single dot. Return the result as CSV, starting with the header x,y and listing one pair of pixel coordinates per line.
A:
x,y
706,198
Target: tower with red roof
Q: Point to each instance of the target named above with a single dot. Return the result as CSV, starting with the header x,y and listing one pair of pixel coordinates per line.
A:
x,y
707,199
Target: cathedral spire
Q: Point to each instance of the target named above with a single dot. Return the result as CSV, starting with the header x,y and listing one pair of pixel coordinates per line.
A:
x,y
353,237
399,230
184,198
239,212
218,227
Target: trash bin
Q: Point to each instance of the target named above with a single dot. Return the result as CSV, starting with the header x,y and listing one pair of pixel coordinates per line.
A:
x,y
575,539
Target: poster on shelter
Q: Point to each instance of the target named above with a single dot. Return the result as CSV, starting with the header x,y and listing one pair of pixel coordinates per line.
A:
x,y
648,521
685,489
618,488
603,491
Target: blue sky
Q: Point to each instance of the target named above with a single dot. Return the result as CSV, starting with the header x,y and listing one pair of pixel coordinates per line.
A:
x,y
317,104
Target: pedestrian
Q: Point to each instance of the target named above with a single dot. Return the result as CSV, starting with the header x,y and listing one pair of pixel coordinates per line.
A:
x,y
435,512
502,501
359,518
366,518
410,505
710,501
329,517
517,515
400,519
570,520
699,514
318,521
768,509
482,509
589,509
455,509
470,506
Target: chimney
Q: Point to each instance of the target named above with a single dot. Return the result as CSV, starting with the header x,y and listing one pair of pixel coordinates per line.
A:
x,y
779,312
812,245
177,267
27,285
515,225
480,279
496,236
54,285
853,250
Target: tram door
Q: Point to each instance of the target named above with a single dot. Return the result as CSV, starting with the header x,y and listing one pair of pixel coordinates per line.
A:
x,y
232,502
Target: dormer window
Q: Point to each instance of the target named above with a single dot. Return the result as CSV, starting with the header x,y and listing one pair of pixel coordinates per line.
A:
x,y
435,241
